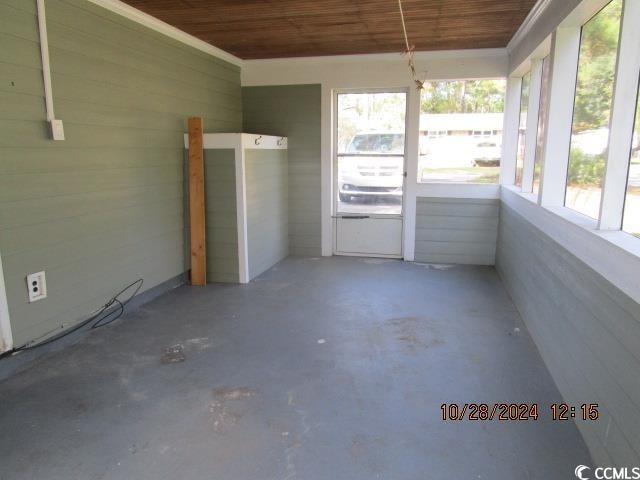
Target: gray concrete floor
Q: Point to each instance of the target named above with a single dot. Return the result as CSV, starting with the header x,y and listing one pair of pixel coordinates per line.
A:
x,y
328,368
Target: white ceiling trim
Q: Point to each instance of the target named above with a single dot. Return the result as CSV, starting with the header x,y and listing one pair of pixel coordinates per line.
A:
x,y
531,19
429,55
153,23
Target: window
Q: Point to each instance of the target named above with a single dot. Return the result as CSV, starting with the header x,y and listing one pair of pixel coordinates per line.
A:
x,y
542,120
522,127
370,152
431,134
631,219
468,115
592,109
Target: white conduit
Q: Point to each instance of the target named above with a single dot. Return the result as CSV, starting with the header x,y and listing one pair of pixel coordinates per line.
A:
x,y
56,125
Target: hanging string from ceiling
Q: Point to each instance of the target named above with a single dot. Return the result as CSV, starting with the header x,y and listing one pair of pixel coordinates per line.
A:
x,y
409,51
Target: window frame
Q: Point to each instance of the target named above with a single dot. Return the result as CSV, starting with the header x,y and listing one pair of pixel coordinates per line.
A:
x,y
563,46
474,189
613,87
635,134
621,125
522,148
542,114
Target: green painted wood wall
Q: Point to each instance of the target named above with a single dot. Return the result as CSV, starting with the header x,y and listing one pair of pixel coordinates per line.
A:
x,y
293,111
221,220
456,230
105,206
587,332
267,208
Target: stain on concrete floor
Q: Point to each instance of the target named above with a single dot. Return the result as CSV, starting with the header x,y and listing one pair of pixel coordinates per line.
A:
x,y
258,397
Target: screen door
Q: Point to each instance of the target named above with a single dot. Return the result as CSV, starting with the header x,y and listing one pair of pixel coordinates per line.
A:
x,y
369,172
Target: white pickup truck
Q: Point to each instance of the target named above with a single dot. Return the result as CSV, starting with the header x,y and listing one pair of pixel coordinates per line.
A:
x,y
372,166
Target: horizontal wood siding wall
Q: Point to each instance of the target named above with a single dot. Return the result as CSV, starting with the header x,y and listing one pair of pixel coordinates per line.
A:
x,y
587,331
105,206
221,221
293,111
456,230
267,215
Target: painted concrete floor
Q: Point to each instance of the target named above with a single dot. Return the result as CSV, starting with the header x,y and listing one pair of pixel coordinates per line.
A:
x,y
328,368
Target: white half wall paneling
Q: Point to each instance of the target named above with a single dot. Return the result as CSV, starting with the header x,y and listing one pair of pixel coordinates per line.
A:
x,y
614,255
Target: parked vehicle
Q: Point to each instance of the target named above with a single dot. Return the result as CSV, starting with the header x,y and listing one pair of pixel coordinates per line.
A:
x,y
373,166
487,154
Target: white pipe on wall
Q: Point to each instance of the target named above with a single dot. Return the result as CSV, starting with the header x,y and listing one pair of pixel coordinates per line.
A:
x,y
57,131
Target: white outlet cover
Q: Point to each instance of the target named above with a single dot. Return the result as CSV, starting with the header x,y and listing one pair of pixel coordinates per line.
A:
x,y
37,286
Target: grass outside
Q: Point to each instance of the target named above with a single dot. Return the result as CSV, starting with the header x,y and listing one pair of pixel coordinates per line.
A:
x,y
461,175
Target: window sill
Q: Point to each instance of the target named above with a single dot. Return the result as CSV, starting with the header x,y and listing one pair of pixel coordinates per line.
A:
x,y
532,197
619,238
458,190
612,253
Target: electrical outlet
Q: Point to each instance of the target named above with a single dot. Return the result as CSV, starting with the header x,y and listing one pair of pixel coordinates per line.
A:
x,y
37,286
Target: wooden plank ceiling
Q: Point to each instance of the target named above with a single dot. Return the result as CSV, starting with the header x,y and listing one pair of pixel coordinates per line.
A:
x,y
293,28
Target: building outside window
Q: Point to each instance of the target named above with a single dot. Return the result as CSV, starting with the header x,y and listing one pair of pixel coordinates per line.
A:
x,y
468,114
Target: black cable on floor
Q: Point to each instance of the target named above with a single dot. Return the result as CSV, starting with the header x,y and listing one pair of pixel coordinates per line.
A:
x,y
108,313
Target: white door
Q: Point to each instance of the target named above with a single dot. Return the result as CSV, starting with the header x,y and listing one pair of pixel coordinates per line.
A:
x,y
369,172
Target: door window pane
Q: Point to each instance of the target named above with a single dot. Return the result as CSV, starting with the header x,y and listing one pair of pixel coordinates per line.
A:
x,y
631,220
592,109
542,122
370,152
461,131
522,128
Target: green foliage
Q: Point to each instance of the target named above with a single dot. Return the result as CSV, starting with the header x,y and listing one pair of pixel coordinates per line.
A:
x,y
596,68
358,112
463,96
585,170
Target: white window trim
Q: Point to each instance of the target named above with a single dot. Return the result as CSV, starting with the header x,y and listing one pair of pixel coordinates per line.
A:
x,y
411,181
135,15
6,336
457,186
601,244
510,130
239,143
613,254
564,71
458,190
623,114
531,137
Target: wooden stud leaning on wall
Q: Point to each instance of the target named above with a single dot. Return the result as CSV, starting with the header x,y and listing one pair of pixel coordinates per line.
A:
x,y
196,203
